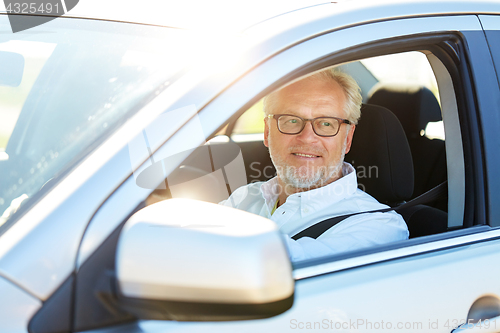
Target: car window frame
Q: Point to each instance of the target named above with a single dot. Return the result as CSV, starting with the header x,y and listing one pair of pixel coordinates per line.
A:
x,y
488,87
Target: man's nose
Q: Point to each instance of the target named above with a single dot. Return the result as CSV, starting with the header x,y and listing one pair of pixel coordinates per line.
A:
x,y
307,134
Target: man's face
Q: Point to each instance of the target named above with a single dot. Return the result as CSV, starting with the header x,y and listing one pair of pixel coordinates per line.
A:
x,y
306,160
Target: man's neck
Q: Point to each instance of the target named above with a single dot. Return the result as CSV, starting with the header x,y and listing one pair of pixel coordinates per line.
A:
x,y
287,190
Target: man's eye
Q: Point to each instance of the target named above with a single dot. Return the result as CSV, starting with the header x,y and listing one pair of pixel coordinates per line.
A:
x,y
325,123
293,121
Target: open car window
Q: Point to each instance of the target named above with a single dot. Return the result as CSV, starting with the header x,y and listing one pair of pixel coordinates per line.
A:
x,y
405,83
409,83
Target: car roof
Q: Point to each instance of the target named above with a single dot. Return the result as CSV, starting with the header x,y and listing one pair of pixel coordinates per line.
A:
x,y
235,16
226,15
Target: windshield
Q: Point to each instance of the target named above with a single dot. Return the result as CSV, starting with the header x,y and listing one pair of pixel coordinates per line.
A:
x,y
66,85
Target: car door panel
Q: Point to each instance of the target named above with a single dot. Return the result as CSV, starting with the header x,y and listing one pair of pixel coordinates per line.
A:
x,y
416,293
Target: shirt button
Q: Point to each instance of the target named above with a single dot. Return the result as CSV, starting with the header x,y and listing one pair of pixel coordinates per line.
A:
x,y
306,210
283,213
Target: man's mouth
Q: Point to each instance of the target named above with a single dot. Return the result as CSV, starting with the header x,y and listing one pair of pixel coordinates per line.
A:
x,y
305,155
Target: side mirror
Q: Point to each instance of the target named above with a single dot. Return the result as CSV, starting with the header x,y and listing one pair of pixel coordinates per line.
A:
x,y
188,260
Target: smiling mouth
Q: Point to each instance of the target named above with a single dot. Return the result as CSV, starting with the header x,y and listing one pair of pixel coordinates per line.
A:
x,y
305,155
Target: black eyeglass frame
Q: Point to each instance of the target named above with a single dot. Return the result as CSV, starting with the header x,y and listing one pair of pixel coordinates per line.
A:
x,y
305,120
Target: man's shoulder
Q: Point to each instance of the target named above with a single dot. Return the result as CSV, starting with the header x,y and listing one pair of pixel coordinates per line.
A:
x,y
367,218
366,202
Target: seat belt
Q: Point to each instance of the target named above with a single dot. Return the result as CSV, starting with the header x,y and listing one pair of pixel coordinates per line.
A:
x,y
319,228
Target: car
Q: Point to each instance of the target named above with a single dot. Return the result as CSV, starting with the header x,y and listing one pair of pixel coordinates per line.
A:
x,y
121,128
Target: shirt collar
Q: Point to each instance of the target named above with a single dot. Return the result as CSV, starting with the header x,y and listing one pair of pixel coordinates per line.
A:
x,y
318,198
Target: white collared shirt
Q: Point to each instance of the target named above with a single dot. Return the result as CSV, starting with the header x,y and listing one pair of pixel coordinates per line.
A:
x,y
301,210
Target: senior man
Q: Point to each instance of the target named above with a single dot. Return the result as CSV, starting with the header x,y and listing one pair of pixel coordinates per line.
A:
x,y
309,127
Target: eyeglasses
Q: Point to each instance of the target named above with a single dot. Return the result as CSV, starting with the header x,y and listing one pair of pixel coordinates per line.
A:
x,y
322,126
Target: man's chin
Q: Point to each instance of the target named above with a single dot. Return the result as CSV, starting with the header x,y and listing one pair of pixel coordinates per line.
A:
x,y
305,181
310,178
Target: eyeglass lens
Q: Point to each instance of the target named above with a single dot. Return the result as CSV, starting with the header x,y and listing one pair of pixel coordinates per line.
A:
x,y
322,126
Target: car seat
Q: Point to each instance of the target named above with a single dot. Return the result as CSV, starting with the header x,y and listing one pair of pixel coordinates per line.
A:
x,y
382,158
415,106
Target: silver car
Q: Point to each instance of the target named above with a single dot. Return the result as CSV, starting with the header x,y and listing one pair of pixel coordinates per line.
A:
x,y
122,125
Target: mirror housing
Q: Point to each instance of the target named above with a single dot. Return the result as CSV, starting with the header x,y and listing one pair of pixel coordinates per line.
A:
x,y
189,260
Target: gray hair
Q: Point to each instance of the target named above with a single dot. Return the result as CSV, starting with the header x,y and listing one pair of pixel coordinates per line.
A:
x,y
352,107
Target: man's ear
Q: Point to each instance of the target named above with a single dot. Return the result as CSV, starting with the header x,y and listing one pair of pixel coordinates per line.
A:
x,y
266,132
349,138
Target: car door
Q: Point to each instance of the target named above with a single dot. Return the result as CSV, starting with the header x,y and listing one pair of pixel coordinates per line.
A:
x,y
420,284
406,287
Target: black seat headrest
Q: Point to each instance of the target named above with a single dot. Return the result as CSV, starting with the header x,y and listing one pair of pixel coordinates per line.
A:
x,y
381,156
413,104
